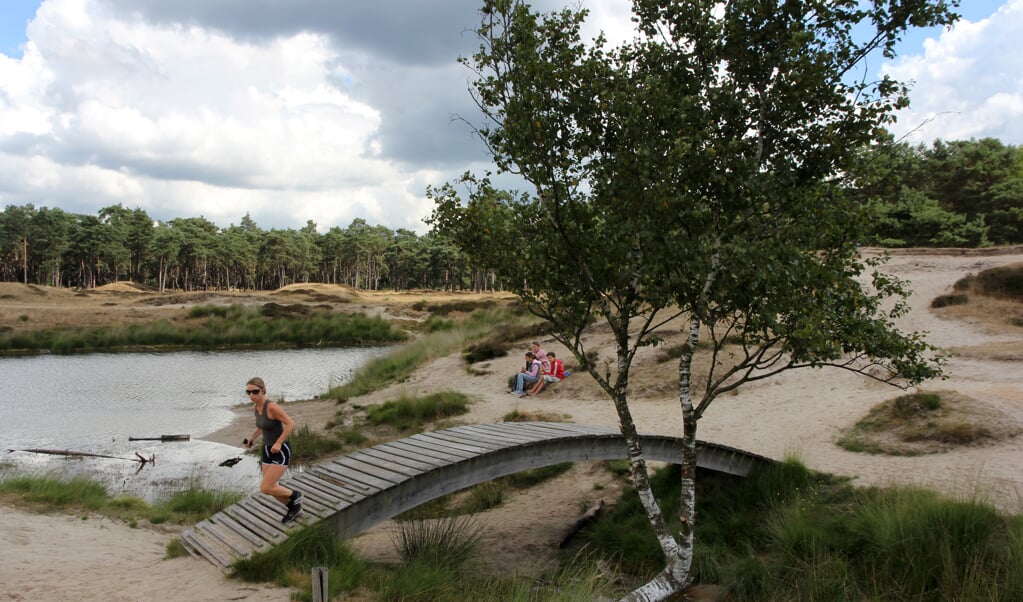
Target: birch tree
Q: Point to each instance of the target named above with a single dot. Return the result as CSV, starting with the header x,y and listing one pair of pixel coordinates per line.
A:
x,y
698,171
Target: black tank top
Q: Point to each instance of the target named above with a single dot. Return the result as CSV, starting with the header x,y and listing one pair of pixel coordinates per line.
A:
x,y
272,429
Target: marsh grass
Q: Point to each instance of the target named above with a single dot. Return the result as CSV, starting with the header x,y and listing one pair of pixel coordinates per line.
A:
x,y
309,446
452,540
789,534
80,494
290,563
408,412
214,326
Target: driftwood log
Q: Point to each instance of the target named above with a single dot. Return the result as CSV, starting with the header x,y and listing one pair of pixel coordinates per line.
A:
x,y
78,454
588,517
162,438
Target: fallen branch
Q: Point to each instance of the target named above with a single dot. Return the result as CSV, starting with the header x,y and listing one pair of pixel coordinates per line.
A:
x,y
588,517
78,454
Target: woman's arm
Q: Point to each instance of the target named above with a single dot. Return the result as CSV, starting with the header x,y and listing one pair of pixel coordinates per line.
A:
x,y
276,412
252,438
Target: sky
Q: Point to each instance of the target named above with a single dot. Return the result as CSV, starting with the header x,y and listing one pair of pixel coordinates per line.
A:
x,y
327,111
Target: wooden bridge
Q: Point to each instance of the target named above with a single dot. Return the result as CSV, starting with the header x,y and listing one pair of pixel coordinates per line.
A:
x,y
358,490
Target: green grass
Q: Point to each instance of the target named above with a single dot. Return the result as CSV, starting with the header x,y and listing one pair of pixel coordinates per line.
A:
x,y
398,365
215,327
81,494
407,412
308,446
291,562
790,534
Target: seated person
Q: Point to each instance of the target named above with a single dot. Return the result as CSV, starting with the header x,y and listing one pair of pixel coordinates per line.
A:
x,y
554,374
530,374
541,355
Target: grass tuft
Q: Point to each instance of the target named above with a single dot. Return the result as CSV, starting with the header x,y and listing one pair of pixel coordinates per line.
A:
x,y
409,412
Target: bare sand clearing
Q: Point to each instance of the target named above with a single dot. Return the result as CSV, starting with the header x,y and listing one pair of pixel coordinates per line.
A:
x,y
800,413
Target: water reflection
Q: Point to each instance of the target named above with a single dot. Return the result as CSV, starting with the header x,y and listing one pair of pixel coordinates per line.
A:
x,y
94,403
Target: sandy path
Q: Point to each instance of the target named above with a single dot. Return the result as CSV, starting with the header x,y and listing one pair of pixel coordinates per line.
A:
x,y
67,558
800,413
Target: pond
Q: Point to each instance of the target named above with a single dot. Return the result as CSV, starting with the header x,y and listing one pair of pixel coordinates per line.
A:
x,y
94,403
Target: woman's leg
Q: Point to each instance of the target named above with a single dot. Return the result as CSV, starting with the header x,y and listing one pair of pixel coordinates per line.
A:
x,y
272,473
519,383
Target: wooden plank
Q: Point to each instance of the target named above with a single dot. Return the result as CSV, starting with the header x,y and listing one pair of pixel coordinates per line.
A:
x,y
314,500
212,548
391,464
497,433
238,545
255,523
472,445
185,537
250,536
263,519
487,440
414,466
397,449
364,463
574,429
325,490
277,510
452,447
270,506
542,430
491,432
342,489
197,544
370,484
359,491
571,430
425,448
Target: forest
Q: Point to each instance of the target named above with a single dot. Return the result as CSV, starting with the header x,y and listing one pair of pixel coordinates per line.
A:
x,y
950,194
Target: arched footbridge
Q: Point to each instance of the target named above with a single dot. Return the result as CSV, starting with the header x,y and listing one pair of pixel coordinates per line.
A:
x,y
358,490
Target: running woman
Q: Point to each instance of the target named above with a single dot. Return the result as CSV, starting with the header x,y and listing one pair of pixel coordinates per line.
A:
x,y
275,426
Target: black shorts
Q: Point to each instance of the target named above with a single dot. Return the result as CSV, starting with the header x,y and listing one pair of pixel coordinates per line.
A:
x,y
281,458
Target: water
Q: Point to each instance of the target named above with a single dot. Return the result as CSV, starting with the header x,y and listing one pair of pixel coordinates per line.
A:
x,y
94,403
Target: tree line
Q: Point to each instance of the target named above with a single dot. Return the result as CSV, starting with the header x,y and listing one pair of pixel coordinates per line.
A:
x,y
951,194
49,246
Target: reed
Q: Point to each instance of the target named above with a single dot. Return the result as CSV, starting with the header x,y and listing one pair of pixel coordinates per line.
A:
x,y
213,326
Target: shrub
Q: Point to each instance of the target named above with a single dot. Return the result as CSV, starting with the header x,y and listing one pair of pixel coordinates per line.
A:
x,y
946,300
446,542
1004,282
483,351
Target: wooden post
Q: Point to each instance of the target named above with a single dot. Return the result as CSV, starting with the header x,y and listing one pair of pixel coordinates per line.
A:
x,y
320,584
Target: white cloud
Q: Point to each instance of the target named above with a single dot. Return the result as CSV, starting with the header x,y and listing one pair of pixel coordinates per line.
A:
x,y
968,83
184,121
328,111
